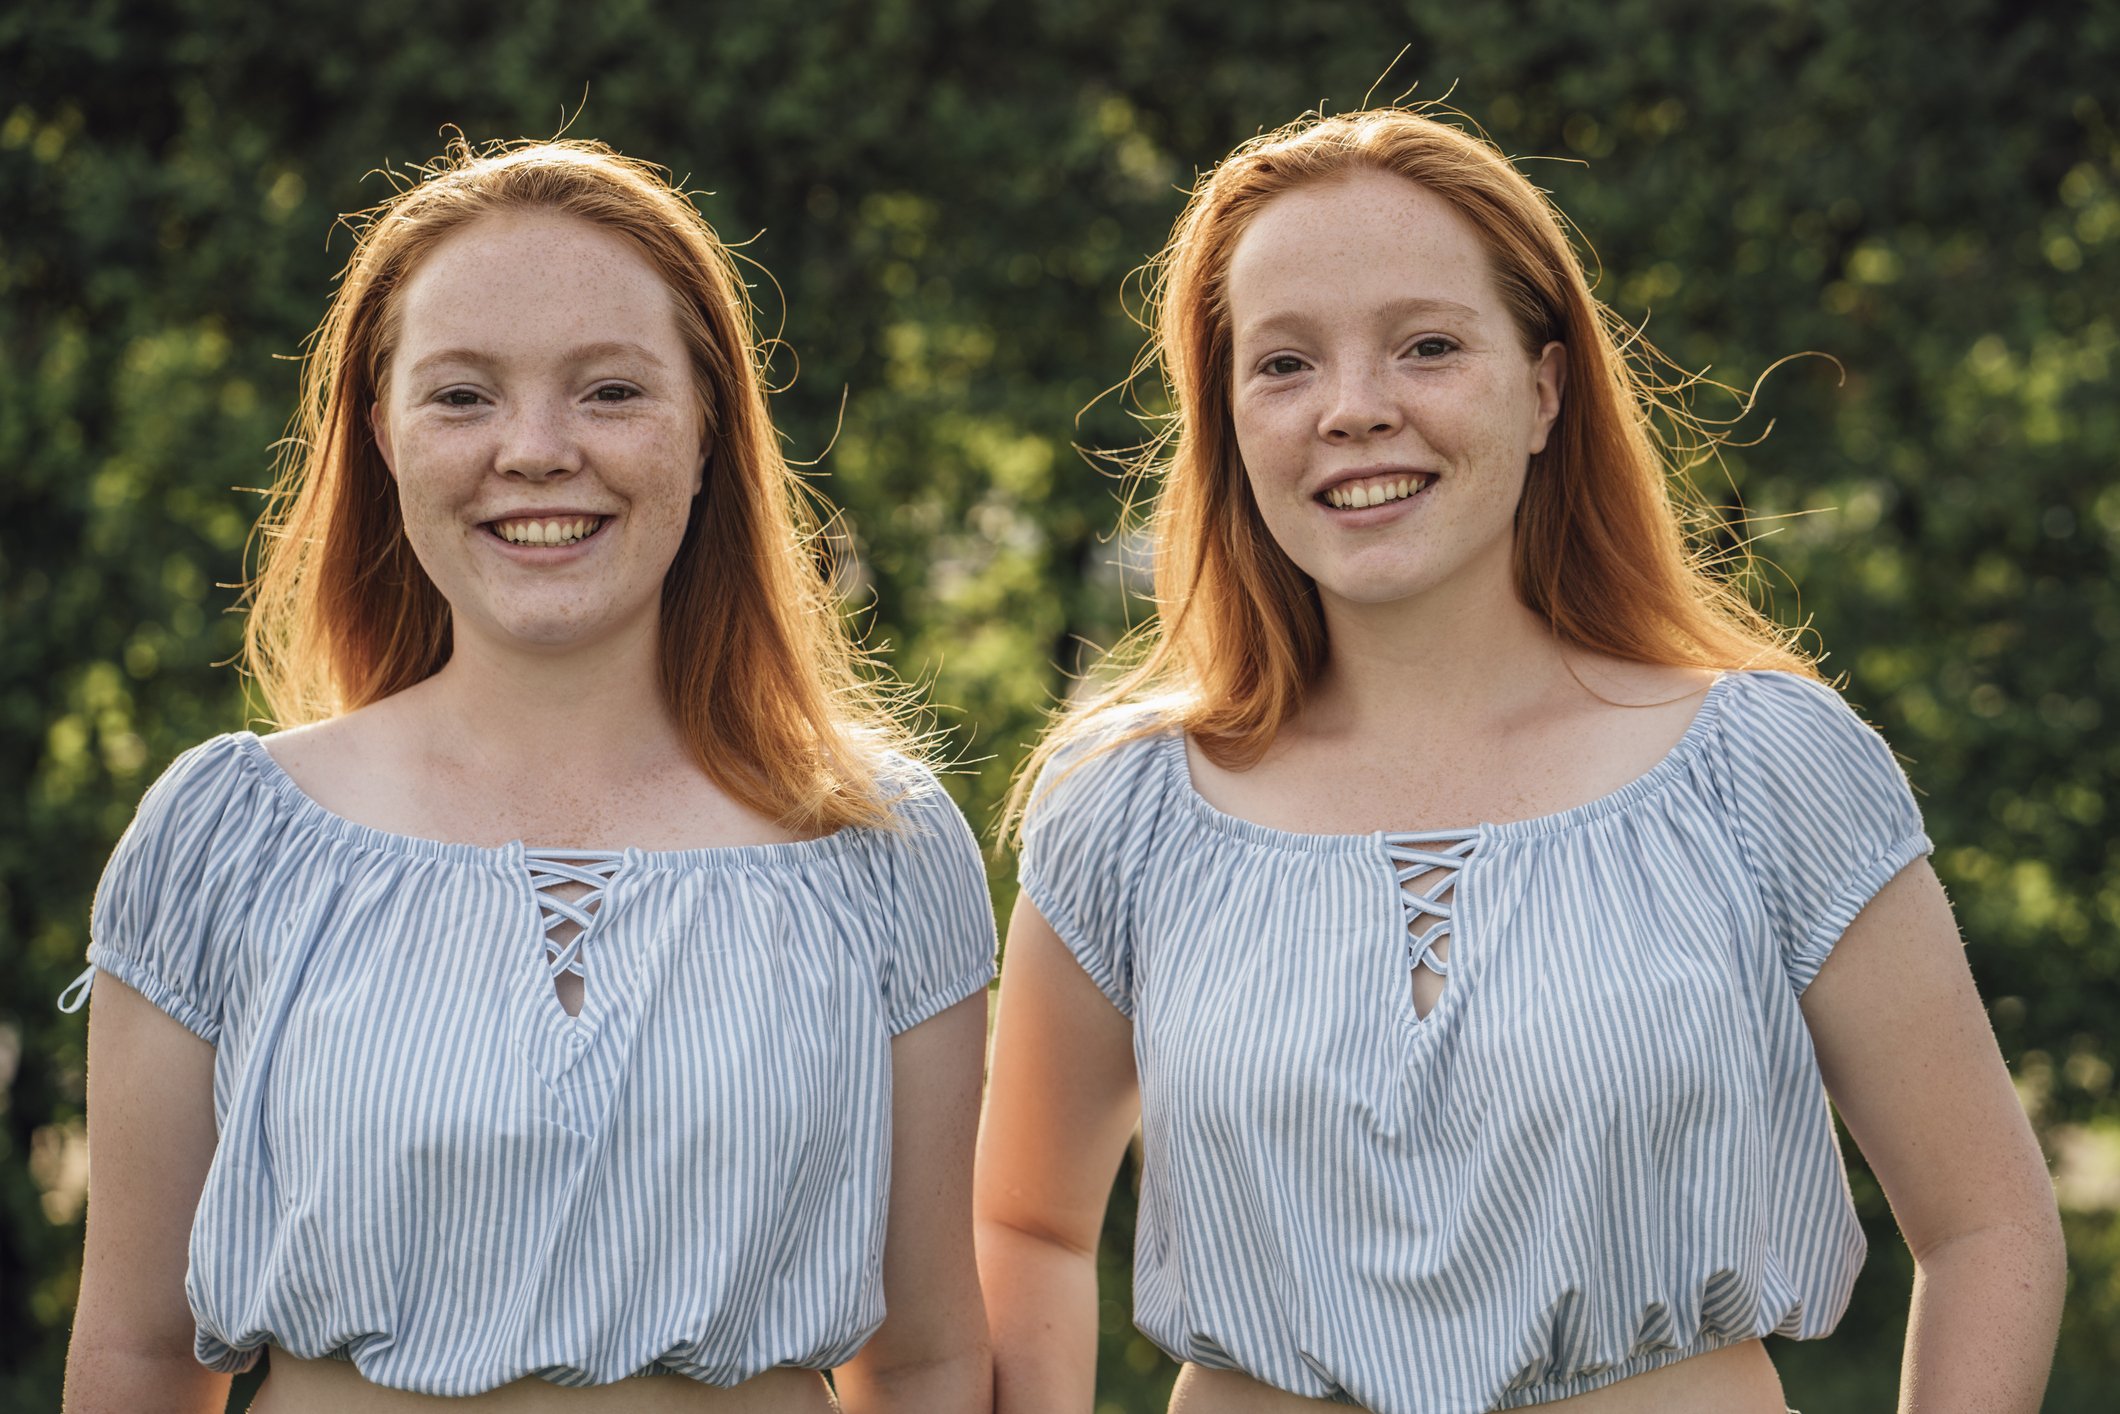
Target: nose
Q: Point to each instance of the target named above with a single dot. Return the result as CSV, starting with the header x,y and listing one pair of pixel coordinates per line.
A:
x,y
537,442
1358,404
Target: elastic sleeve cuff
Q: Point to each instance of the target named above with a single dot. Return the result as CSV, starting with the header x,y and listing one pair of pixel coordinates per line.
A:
x,y
1827,927
941,998
227,1359
167,999
1092,961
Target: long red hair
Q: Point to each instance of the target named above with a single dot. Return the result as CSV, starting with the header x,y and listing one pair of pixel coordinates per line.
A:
x,y
766,683
1607,547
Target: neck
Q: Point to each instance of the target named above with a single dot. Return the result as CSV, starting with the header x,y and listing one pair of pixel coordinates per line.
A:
x,y
595,712
1452,662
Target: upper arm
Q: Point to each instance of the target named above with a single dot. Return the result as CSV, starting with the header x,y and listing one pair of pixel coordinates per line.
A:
x,y
1909,1059
151,1137
931,1285
1062,1097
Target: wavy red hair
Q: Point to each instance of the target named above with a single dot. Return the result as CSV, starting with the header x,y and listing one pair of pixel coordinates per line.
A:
x,y
765,680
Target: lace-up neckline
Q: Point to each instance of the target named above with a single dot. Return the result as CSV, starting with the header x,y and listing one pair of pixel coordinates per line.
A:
x,y
1428,862
552,869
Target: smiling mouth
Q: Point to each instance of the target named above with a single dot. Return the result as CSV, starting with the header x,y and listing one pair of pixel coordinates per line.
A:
x,y
560,530
1375,490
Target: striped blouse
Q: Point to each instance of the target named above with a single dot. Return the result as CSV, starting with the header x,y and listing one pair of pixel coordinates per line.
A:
x,y
1605,1148
427,1166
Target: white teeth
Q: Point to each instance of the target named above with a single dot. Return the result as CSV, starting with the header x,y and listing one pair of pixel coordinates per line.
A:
x,y
546,532
1360,496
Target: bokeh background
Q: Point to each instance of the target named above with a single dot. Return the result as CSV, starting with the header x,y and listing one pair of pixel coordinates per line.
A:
x,y
951,195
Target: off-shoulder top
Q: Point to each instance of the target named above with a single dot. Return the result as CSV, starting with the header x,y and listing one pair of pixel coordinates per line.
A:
x,y
427,1166
1605,1148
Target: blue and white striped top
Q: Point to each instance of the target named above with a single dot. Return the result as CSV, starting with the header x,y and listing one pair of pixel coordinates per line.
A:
x,y
428,1167
1605,1148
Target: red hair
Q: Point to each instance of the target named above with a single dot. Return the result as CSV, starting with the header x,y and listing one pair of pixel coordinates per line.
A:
x,y
1602,547
766,684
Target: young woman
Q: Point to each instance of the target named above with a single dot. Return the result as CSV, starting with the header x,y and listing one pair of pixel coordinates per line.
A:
x,y
584,1007
1473,900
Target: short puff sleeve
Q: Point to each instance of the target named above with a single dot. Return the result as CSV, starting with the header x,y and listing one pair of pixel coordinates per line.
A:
x,y
1822,808
155,924
933,883
1094,812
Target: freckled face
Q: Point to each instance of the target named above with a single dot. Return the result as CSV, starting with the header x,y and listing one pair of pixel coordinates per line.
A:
x,y
541,420
1385,406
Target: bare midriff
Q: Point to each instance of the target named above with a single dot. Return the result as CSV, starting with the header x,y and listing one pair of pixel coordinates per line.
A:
x,y
307,1386
1735,1379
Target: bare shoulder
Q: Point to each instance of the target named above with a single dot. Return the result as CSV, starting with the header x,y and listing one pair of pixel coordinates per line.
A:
x,y
1610,723
321,745
353,763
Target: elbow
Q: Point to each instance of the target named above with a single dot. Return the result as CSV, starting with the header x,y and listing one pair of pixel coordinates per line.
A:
x,y
956,1376
2026,1243
995,1230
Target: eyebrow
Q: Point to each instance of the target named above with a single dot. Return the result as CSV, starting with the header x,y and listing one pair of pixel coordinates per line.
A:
x,y
1395,309
584,353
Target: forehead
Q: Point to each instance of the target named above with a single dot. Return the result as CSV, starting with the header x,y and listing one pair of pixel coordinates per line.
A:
x,y
1347,244
516,283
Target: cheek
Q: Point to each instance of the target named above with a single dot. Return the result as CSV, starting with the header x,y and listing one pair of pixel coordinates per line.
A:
x,y
426,491
1504,443
1271,457
1261,441
432,488
430,530
1284,517
665,494
417,496
673,481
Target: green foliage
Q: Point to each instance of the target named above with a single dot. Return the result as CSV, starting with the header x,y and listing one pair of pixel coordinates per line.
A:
x,y
951,197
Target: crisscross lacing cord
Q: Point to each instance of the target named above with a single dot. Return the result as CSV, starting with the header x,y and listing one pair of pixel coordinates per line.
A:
x,y
1428,862
551,868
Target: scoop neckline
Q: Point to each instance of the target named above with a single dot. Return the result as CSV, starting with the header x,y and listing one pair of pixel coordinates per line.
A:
x,y
1666,769
515,853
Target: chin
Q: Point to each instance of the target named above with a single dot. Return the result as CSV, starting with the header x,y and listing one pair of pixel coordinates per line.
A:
x,y
1370,594
1372,584
552,631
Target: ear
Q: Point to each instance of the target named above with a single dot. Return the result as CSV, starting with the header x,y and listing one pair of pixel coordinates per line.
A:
x,y
379,428
1551,376
706,459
